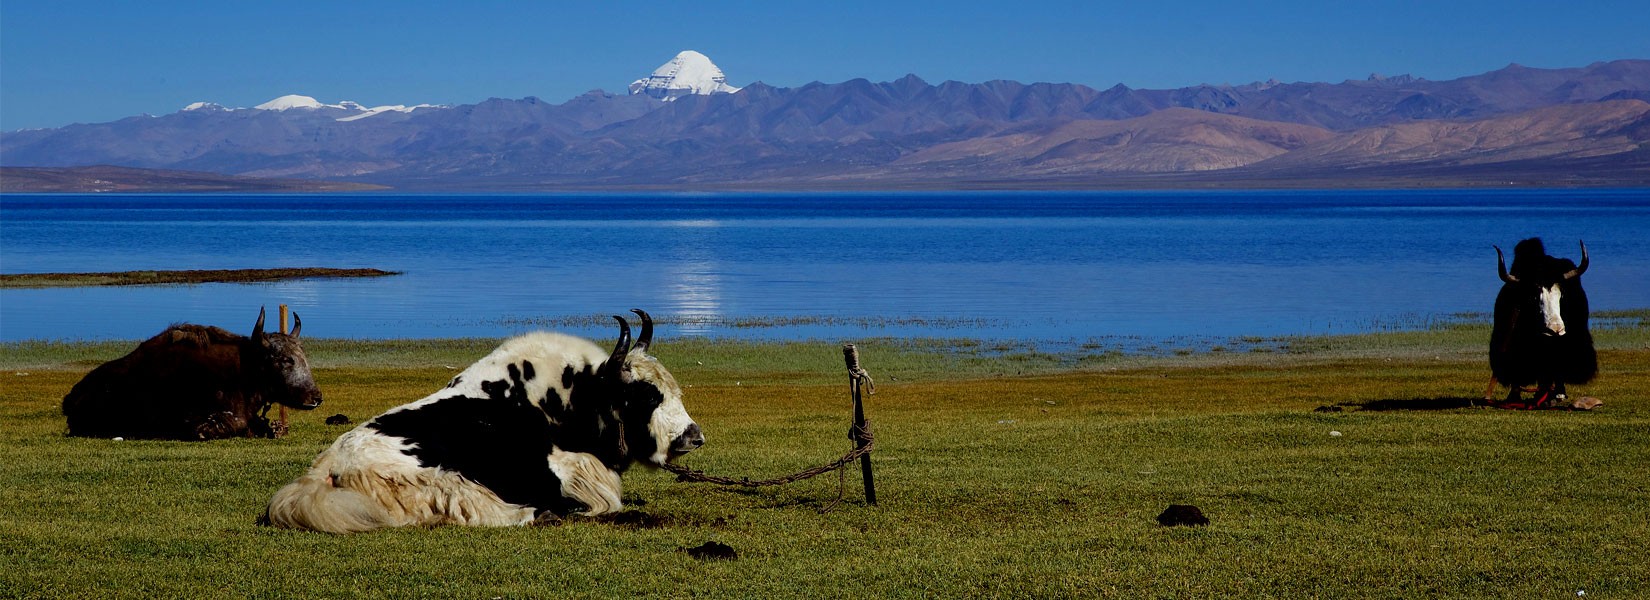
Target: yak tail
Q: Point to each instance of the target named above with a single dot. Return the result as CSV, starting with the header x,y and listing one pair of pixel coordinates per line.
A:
x,y
313,502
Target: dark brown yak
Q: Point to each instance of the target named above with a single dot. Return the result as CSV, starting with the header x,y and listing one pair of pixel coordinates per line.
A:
x,y
194,382
1540,336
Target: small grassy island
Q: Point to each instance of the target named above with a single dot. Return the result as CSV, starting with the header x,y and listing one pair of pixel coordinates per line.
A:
x,y
45,280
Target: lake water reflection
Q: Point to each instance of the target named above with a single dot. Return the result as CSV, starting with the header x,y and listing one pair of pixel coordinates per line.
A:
x,y
1043,266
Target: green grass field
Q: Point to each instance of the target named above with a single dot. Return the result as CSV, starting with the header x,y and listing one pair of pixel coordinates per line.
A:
x,y
1002,471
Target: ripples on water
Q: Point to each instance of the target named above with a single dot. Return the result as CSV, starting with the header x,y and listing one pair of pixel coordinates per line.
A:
x,y
1049,266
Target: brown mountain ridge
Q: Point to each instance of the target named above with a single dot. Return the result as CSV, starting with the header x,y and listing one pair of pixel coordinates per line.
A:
x,y
1574,126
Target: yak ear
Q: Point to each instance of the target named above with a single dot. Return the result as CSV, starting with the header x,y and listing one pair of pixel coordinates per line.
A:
x,y
258,330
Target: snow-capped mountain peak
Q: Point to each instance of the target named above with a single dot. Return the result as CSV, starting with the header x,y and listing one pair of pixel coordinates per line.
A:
x,y
291,101
688,73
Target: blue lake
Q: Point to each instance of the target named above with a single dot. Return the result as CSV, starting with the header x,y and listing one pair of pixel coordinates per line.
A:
x,y
1038,266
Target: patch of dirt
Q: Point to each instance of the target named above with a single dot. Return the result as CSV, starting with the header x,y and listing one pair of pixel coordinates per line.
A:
x,y
712,551
1182,514
338,419
636,519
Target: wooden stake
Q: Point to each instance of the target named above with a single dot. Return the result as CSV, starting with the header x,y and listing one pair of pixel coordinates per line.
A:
x,y
280,428
850,354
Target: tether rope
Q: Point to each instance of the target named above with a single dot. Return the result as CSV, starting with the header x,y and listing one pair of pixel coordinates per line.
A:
x,y
859,433
691,475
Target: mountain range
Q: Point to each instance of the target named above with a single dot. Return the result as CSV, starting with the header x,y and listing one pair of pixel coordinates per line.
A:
x,y
1585,125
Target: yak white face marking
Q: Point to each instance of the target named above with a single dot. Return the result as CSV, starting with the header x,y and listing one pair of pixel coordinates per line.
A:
x,y
670,420
1550,300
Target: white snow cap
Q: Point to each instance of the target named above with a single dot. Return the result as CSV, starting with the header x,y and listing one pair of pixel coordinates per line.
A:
x,y
689,73
367,112
204,106
291,101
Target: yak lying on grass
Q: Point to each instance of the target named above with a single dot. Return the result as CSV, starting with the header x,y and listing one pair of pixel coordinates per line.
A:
x,y
194,382
542,427
1540,336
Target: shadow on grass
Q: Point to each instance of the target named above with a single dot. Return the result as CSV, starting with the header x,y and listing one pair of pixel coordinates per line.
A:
x,y
1440,403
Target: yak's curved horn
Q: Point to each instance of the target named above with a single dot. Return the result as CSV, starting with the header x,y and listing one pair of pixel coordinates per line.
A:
x,y
297,324
646,336
258,329
623,347
1501,266
1581,268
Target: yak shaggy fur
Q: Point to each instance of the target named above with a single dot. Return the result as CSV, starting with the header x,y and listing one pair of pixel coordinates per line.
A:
x,y
193,382
542,426
1525,348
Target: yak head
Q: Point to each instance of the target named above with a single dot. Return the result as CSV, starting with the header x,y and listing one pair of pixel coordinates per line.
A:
x,y
1542,281
646,399
277,361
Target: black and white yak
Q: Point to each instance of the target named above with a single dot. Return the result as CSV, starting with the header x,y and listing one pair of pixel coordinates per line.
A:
x,y
540,428
194,382
1540,336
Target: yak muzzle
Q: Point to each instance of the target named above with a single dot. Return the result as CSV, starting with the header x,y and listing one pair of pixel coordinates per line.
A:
x,y
308,400
690,439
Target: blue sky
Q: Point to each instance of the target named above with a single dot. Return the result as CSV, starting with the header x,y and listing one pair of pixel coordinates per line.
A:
x,y
67,61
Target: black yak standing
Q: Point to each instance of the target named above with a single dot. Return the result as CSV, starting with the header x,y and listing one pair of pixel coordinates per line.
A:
x,y
194,382
1540,336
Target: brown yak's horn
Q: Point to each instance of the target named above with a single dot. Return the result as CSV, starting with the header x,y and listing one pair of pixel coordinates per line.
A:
x,y
646,337
258,329
1501,266
1581,268
297,324
623,347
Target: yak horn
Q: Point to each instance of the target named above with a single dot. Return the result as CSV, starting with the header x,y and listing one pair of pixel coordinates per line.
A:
x,y
258,329
297,323
1581,268
646,336
1501,266
623,347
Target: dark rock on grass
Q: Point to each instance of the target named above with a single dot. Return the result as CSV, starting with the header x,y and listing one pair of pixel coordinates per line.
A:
x,y
338,419
1182,514
712,551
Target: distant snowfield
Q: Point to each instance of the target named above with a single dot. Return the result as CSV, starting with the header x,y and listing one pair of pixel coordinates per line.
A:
x,y
301,102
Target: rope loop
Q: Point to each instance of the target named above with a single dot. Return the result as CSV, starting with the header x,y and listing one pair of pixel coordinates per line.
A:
x,y
859,375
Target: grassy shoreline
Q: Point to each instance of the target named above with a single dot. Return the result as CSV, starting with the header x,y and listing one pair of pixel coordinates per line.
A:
x,y
1001,473
1461,338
